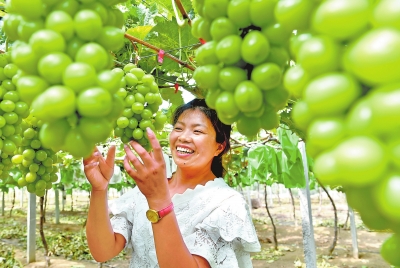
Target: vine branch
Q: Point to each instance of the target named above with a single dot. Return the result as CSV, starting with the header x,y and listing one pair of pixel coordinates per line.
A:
x,y
270,217
183,11
263,140
335,237
137,40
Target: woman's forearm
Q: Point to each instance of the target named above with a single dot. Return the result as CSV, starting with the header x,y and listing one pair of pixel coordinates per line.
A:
x,y
102,241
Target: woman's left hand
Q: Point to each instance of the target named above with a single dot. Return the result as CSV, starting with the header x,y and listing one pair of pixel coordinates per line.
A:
x,y
150,174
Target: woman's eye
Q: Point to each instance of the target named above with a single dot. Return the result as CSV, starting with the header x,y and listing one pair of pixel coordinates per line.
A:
x,y
198,131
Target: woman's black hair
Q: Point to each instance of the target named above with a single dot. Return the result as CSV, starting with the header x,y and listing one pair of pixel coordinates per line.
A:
x,y
223,132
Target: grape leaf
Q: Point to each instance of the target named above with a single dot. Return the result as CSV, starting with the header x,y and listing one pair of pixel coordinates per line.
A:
x,y
165,7
140,31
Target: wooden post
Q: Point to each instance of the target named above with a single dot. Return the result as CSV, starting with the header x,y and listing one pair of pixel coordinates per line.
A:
x,y
353,231
31,230
310,254
57,205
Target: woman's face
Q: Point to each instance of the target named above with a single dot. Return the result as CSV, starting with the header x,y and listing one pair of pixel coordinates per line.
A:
x,y
192,140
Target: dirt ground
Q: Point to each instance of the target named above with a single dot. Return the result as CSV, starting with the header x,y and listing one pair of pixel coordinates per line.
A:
x,y
289,235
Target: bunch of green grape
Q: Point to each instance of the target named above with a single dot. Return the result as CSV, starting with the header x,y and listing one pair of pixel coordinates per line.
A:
x,y
347,80
141,103
38,165
63,49
12,111
242,61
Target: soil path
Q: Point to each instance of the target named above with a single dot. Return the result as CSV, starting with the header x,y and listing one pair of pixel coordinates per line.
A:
x,y
290,253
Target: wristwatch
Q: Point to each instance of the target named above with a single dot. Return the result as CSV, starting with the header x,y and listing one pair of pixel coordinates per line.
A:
x,y
155,216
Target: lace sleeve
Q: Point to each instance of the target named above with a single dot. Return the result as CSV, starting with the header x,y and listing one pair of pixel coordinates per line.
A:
x,y
226,237
122,212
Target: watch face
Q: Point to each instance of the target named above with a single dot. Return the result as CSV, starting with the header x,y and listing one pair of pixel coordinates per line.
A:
x,y
152,216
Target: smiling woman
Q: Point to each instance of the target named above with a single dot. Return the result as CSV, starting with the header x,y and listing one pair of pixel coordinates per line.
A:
x,y
208,223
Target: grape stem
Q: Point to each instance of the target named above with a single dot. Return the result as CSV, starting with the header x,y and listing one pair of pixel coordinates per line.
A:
x,y
137,40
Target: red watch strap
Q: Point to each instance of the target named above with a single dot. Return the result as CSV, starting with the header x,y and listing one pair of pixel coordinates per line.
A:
x,y
166,210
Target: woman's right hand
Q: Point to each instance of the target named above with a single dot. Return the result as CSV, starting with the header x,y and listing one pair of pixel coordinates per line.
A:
x,y
99,170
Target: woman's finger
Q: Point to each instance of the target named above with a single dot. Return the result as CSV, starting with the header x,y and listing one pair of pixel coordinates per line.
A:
x,y
89,166
131,157
128,168
110,160
155,144
91,159
143,154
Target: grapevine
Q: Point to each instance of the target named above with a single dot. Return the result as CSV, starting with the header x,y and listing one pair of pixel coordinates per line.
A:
x,y
346,80
63,49
37,164
141,102
242,62
12,111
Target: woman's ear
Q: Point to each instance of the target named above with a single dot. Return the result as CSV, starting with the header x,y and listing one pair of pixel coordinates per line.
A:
x,y
220,148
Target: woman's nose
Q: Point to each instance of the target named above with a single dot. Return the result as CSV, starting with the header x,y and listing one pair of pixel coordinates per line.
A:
x,y
184,137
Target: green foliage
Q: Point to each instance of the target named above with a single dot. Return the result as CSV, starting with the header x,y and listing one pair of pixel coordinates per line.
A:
x,y
70,245
165,7
292,168
11,181
2,13
262,162
7,257
270,163
172,96
12,230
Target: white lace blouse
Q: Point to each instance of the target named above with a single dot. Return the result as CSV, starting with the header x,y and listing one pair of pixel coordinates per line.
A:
x,y
214,220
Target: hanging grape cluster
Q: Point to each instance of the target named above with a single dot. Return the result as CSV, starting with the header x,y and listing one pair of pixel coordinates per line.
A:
x,y
62,48
347,79
141,102
38,165
12,111
242,61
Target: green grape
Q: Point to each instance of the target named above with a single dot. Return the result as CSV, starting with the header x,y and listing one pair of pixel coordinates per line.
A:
x,y
248,96
319,55
390,249
239,12
61,22
87,24
228,50
215,8
63,57
226,106
227,62
140,106
207,76
230,77
267,76
248,126
206,54
222,27
262,12
341,19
